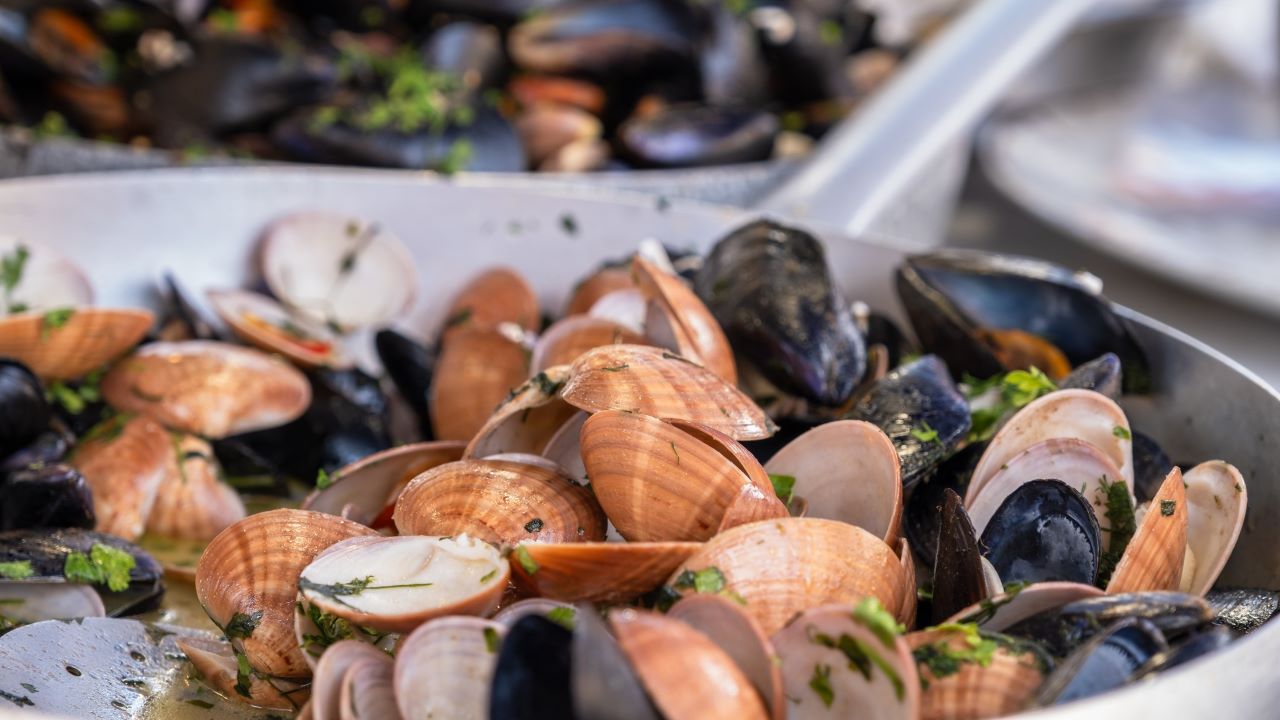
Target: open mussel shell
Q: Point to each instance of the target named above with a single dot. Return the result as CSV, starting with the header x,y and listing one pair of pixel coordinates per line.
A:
x,y
268,325
848,471
27,412
725,623
1199,644
192,501
678,319
612,39
341,271
959,576
695,134
51,496
1044,531
1006,609
364,490
410,366
1216,504
597,571
1063,627
685,672
216,662
533,676
1104,663
659,383
605,684
342,663
571,336
500,502
1243,610
445,668
922,512
395,584
125,461
1154,557
527,420
1102,375
47,551
475,372
834,665
495,296
772,292
207,388
249,574
921,411
838,563
1003,685
85,341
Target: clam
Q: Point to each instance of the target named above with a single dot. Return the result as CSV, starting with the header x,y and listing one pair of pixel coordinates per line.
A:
x,y
1006,609
476,370
46,279
185,387
906,613
659,383
125,461
1104,663
495,296
367,489
133,581
1216,502
341,271
1081,414
727,625
597,571
781,567
329,682
684,671
45,495
663,481
1002,685
192,501
545,128
678,319
444,669
563,613
527,420
1044,531
565,449
532,678
395,584
530,89
216,662
596,286
1154,558
27,412
959,579
568,338
626,307
842,661
68,343
848,471
498,501
367,691
247,582
27,602
267,325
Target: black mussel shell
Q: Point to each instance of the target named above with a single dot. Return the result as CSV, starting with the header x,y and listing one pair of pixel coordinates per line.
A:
x,y
771,290
951,295
24,413
43,41
423,13
47,551
1105,663
608,39
532,678
1102,375
45,496
1150,466
731,63
1243,609
923,510
694,135
1064,629
356,15
471,51
958,577
1205,642
48,448
183,320
921,411
1045,530
804,66
410,365
880,329
605,685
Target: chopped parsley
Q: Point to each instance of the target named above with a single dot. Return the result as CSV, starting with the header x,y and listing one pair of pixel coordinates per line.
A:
x,y
352,587
16,570
569,224
491,640
988,606
616,368
862,658
1017,389
488,576
54,320
75,399
533,526
830,33
330,629
323,479
924,433
104,565
784,486
457,158
879,621
11,268
242,625
1121,522
820,683
1122,432
943,659
244,675
707,580
525,559
677,452
106,431
1167,507
459,318
565,617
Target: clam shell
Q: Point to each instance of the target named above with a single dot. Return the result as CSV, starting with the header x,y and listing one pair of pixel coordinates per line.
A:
x,y
565,450
1082,414
192,502
657,482
626,307
1216,504
364,489
599,571
690,323
443,669
512,613
207,388
527,420
686,674
568,338
476,371
125,461
216,662
89,339
495,296
724,623
367,691
30,601
974,692
1153,560
782,567
327,684
253,566
1004,610
847,470
246,312
333,268
49,278
595,286
410,580
906,613
652,381
853,695
500,502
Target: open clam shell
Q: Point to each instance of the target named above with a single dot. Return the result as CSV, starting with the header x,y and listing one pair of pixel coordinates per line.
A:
x,y
1154,558
211,389
216,662
1002,686
684,671
476,371
569,337
847,470
500,502
835,666
657,382
782,567
367,691
395,584
327,685
75,345
48,279
444,669
725,623
249,575
365,489
906,613
192,501
678,318
527,420
597,571
1216,503
495,296
1004,610
595,286
339,270
268,325
125,461
565,447
29,601
626,307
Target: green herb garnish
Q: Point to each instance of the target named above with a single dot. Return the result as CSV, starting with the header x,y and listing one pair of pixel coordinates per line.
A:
x,y
565,617
1122,432
354,586
533,526
616,368
942,659
1167,507
820,683
1121,522
569,224
242,625
1017,389
525,559
924,433
104,565
784,486
879,621
862,658
11,268
491,640
244,675
16,570
323,479
459,317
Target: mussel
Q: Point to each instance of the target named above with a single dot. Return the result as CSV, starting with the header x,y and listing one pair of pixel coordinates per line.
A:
x,y
126,577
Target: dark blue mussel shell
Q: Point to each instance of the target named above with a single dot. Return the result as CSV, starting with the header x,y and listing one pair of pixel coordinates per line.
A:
x,y
1104,663
1045,530
47,552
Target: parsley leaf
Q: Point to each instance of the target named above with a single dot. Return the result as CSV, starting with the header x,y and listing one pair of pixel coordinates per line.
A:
x,y
54,320
565,617
323,479
879,621
1167,507
1017,389
16,570
925,433
1122,432
1120,519
784,486
491,640
820,683
525,559
103,565
242,625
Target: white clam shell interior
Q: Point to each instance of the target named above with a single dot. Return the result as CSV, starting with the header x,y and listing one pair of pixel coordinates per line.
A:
x,y
1216,503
